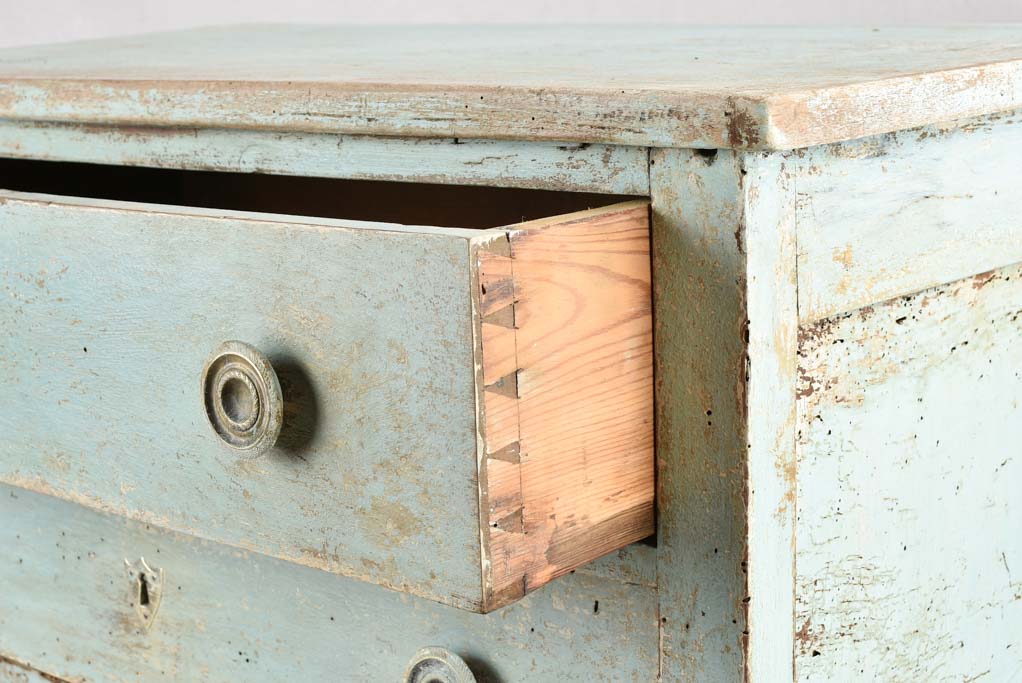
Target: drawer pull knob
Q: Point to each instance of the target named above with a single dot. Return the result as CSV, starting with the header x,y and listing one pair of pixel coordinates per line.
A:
x,y
437,665
242,398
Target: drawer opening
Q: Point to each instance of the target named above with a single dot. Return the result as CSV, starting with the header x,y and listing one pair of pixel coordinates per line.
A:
x,y
458,206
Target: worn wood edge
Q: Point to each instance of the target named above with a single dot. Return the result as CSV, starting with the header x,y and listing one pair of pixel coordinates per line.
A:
x,y
493,242
254,218
494,309
642,117
576,167
577,216
846,112
16,671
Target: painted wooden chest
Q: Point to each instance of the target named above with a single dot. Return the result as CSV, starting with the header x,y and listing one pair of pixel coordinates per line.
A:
x,y
513,354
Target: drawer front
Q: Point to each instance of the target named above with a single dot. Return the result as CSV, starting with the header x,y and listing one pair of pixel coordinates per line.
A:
x,y
111,312
234,616
466,414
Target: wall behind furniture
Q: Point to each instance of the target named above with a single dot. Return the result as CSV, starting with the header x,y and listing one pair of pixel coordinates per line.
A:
x,y
25,22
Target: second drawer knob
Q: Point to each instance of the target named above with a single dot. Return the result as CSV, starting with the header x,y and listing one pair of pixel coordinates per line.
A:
x,y
242,398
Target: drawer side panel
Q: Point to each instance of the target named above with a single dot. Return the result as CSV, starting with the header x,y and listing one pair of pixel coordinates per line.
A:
x,y
567,397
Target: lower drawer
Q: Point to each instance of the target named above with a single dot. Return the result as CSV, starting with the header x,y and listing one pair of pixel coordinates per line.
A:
x,y
463,414
228,615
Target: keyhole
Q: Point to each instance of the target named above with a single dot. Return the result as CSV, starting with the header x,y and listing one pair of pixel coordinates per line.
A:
x,y
143,590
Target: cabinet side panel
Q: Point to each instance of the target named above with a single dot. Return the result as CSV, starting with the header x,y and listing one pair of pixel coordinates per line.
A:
x,y
893,214
909,553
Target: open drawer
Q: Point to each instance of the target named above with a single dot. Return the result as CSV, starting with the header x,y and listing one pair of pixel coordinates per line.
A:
x,y
461,414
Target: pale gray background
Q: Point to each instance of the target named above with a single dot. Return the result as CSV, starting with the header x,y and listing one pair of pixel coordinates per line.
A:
x,y
24,22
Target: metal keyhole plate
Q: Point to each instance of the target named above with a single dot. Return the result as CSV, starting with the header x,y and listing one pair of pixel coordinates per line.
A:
x,y
242,398
146,590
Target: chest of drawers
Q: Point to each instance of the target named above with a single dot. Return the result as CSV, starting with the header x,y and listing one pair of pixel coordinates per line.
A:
x,y
522,354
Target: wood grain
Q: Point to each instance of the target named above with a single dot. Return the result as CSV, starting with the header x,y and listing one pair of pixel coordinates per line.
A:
x,y
752,88
567,400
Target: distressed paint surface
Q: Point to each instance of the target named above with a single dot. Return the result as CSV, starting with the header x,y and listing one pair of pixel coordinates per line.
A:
x,y
637,85
771,370
725,321
893,214
909,553
698,281
110,313
723,243
230,615
536,165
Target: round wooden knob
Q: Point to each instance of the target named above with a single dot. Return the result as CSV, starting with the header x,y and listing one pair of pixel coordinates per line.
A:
x,y
242,398
437,665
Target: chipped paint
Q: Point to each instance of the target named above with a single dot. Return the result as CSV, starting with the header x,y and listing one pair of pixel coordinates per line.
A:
x,y
746,88
724,292
609,169
909,420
